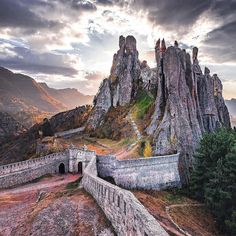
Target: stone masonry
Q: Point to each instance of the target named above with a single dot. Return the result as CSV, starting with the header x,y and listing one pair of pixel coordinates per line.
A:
x,y
127,215
142,173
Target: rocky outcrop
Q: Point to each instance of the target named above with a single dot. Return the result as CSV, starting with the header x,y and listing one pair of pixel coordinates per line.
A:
x,y
122,84
188,103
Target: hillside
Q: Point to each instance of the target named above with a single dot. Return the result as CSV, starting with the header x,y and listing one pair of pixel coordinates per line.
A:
x,y
29,102
70,97
9,126
20,92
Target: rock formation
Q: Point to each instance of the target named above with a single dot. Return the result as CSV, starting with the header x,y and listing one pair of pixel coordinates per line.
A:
x,y
188,103
122,84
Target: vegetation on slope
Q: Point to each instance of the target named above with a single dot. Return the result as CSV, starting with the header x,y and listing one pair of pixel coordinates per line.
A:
x,y
144,101
213,179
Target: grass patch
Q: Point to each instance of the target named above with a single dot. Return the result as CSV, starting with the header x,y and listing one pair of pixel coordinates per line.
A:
x,y
144,100
175,196
74,184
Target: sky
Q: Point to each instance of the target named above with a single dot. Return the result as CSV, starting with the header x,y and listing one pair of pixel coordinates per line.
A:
x,y
70,43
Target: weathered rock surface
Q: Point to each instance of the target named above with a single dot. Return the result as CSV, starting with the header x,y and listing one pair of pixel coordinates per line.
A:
x,y
188,104
127,75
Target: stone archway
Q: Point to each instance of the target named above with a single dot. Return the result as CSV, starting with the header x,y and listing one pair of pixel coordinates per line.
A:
x,y
62,168
80,168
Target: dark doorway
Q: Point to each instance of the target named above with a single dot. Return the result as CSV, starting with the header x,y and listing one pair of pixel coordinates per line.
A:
x,y
80,168
62,168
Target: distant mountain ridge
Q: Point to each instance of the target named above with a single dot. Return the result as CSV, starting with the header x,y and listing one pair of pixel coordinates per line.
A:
x,y
231,104
20,92
70,97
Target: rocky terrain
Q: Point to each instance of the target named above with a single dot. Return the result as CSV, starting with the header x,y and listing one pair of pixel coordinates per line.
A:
x,y
23,147
9,126
54,204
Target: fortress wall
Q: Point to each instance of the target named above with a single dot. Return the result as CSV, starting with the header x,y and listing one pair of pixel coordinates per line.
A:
x,y
25,171
142,173
29,164
127,215
27,175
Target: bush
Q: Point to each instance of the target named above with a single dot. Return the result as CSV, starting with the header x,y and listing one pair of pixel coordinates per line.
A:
x,y
144,100
213,179
147,150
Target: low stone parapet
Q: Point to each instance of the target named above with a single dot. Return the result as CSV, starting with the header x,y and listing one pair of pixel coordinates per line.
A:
x,y
127,215
154,173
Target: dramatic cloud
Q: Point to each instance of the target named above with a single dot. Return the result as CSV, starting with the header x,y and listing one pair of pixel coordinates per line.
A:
x,y
70,43
17,14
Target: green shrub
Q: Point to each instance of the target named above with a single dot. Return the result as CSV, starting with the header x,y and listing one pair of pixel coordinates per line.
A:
x,y
144,100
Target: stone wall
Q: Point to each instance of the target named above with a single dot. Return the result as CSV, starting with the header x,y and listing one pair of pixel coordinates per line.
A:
x,y
127,215
25,171
142,173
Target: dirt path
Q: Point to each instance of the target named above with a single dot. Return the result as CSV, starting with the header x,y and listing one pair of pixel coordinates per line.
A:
x,y
43,184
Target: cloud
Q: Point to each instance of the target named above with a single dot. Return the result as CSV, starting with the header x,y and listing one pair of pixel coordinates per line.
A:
x,y
24,59
17,14
220,43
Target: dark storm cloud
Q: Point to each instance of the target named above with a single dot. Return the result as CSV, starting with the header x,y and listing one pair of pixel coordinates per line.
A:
x,y
46,63
18,14
172,14
220,43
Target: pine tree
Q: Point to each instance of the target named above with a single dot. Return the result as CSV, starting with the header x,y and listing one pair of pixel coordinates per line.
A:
x,y
213,179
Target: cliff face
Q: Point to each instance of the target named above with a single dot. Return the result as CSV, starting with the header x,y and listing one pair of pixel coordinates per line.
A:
x,y
188,103
127,75
121,86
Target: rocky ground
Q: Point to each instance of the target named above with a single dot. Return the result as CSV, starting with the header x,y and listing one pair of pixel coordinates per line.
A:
x,y
51,206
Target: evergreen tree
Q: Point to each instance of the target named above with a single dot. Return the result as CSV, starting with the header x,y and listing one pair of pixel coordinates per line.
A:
x,y
213,179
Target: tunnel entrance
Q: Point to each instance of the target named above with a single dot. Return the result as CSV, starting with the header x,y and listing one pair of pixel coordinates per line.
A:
x,y
62,168
80,168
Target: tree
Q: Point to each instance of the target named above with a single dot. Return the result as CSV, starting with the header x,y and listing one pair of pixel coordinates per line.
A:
x,y
213,179
213,146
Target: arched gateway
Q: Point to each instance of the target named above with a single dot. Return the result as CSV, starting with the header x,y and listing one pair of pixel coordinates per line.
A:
x,y
62,168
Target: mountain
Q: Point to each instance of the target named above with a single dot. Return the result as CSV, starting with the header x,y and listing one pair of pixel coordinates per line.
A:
x,y
70,97
29,102
231,104
21,92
